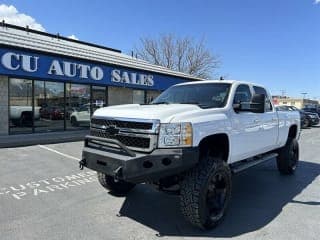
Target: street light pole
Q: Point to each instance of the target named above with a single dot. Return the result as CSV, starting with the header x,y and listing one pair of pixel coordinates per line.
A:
x,y
304,95
303,98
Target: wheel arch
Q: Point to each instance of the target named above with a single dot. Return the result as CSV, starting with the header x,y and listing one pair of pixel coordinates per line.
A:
x,y
293,131
219,143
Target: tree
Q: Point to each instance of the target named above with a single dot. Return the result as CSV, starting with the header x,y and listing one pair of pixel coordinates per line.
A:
x,y
180,54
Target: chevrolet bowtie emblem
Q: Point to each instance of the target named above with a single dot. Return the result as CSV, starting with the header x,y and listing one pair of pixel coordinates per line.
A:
x,y
112,130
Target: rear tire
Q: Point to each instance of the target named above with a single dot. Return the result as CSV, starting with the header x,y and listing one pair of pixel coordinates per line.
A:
x,y
287,160
306,123
206,192
118,187
74,122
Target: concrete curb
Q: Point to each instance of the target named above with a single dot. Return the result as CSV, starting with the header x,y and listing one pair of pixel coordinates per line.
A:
x,y
41,138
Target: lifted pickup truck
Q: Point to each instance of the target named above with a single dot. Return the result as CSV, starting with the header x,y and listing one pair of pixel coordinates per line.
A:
x,y
192,138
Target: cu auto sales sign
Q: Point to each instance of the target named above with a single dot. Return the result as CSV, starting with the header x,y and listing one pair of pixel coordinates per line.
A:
x,y
24,64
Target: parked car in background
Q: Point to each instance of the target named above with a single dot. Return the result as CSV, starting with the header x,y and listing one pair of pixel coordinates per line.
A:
x,y
307,119
82,115
52,113
313,118
312,109
22,115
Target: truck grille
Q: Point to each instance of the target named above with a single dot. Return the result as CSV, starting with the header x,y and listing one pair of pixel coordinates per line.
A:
x,y
130,141
122,124
136,134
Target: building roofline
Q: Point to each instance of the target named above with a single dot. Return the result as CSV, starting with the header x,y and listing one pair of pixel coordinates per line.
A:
x,y
34,40
3,24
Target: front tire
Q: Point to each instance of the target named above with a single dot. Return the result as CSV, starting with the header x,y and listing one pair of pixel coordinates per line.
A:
x,y
118,187
206,192
287,160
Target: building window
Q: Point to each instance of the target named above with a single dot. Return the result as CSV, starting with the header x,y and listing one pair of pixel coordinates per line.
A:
x,y
151,95
78,108
98,97
20,106
119,95
49,106
138,96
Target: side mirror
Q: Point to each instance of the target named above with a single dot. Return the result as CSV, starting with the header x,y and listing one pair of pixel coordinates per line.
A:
x,y
257,104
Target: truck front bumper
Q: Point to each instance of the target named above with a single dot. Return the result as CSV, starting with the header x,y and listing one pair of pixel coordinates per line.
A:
x,y
124,164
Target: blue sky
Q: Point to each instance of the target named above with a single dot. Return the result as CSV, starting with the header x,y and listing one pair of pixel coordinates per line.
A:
x,y
275,43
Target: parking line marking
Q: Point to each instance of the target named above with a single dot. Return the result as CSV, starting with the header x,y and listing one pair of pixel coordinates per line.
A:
x,y
60,153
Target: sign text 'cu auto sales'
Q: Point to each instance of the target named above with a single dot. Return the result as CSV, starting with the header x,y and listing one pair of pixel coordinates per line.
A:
x,y
28,63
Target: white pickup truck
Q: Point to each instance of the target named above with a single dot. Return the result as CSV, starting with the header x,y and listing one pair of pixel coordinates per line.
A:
x,y
191,139
22,115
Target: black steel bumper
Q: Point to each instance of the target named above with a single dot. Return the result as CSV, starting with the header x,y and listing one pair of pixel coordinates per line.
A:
x,y
135,167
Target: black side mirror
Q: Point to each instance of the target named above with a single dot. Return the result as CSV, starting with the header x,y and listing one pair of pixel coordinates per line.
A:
x,y
258,102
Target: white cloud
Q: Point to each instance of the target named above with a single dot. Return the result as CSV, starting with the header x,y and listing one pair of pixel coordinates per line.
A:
x,y
11,15
73,37
316,1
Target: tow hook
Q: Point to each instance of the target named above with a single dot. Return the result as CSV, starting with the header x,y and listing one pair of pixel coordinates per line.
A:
x,y
82,163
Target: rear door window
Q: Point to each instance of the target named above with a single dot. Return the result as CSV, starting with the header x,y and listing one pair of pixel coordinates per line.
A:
x,y
261,90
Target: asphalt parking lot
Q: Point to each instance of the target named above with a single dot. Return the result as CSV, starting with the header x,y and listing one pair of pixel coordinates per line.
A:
x,y
44,195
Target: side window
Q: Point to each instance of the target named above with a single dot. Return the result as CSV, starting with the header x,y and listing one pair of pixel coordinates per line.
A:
x,y
260,90
243,94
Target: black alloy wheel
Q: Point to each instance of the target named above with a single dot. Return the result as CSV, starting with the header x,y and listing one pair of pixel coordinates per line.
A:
x,y
216,199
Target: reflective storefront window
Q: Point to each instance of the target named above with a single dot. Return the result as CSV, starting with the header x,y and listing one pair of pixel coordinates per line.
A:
x,y
49,101
47,106
98,97
20,109
151,95
119,95
77,106
138,96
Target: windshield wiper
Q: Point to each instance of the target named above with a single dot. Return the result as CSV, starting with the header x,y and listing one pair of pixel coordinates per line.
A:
x,y
201,105
160,103
196,103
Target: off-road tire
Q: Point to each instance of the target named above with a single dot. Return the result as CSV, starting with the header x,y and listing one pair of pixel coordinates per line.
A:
x,y
287,160
194,192
117,187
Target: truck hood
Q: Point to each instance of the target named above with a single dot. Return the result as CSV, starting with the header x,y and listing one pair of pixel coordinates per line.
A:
x,y
163,112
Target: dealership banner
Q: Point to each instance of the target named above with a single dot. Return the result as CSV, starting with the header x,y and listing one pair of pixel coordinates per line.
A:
x,y
24,64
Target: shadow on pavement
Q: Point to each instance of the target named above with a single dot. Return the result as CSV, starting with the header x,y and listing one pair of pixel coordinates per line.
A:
x,y
258,196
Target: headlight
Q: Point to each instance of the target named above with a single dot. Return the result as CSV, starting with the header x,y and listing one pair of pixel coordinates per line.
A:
x,y
175,135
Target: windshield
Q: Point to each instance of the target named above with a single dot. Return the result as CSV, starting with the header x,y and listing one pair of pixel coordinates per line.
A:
x,y
205,95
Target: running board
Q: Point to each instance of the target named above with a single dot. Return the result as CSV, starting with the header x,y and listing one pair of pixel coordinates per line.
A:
x,y
242,165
